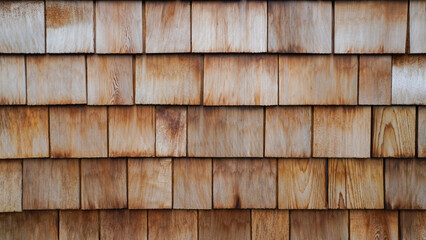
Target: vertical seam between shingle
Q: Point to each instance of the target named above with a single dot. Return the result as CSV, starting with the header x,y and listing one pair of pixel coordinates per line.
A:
x,y
86,80
143,26
107,128
26,81
312,131
173,173
251,225
407,33
202,80
147,224
264,129
45,29
94,26
278,79
190,28
332,26
48,131
357,79
371,131
127,181
384,183
416,133
289,223
155,131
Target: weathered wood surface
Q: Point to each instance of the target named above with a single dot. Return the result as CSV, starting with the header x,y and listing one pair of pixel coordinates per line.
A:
x,y
412,225
224,224
172,224
270,224
373,224
375,80
417,26
421,132
12,80
11,186
79,225
123,224
170,131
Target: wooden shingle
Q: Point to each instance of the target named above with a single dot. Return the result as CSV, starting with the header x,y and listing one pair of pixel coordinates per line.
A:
x,y
11,186
79,225
329,224
417,26
412,224
170,131
12,80
421,132
123,224
224,224
373,224
29,225
172,224
270,224
375,79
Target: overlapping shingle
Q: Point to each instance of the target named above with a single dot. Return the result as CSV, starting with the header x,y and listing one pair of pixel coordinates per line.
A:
x,y
379,224
29,225
412,224
421,132
79,225
177,224
417,26
170,131
329,224
123,224
270,224
12,80
224,224
375,80
11,187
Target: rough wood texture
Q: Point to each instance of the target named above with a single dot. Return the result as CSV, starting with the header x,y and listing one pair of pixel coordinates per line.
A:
x,y
224,224
12,80
302,184
342,132
109,80
119,27
77,132
168,79
288,132
244,183
370,26
270,224
192,183
170,131
417,26
318,80
56,79
150,183
131,131
375,80
299,27
168,27
421,132
405,181
412,225
225,132
22,27
79,225
69,27
24,132
172,224
51,184
409,80
231,26
355,184
240,80
103,183
373,224
123,224
323,225
11,186
394,131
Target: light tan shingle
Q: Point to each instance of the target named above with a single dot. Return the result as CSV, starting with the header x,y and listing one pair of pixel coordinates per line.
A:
x,y
172,224
11,185
12,80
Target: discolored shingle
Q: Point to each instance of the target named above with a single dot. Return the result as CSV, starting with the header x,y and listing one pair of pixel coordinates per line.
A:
x,y
224,224
123,224
329,224
11,186
172,224
12,80
79,225
170,128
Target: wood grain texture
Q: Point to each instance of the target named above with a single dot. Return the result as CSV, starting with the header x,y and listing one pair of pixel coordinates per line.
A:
x,y
103,183
342,132
412,225
370,26
70,27
168,79
302,184
417,26
78,131
240,80
11,186
192,183
230,26
270,224
24,132
225,132
336,183
409,80
79,225
375,80
168,27
150,183
404,183
123,224
170,131
373,224
317,80
331,224
421,132
22,27
109,80
119,27
172,224
12,80
56,79
51,184
131,131
224,224
299,27
244,183
288,132
394,131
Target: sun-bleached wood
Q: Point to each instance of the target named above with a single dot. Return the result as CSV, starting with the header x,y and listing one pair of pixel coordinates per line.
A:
x,y
394,131
168,26
331,224
79,225
78,131
409,80
224,224
172,224
244,183
103,183
421,132
123,224
56,79
150,183
317,80
51,184
12,80
373,224
417,26
31,225
240,80
225,132
269,224
170,131
412,224
22,27
69,26
11,186
131,131
232,26
119,27
24,132
375,80
109,80
302,184
288,132
299,27
370,26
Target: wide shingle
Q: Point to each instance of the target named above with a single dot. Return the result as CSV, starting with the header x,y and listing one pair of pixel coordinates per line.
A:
x,y
12,80
373,224
412,224
270,224
79,225
224,224
31,225
319,225
176,224
123,224
375,80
